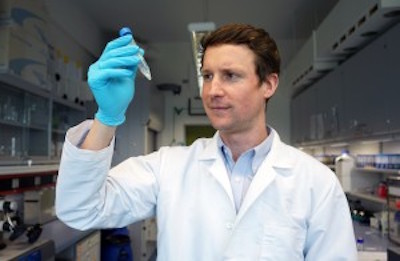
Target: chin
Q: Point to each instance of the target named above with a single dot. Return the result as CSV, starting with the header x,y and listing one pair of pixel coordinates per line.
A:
x,y
220,123
220,126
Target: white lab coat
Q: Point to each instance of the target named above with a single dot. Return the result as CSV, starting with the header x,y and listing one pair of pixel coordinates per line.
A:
x,y
294,209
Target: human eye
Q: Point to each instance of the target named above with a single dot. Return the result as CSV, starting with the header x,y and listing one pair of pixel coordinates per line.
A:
x,y
206,76
231,76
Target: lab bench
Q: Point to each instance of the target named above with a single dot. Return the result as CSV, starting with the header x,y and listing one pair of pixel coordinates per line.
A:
x,y
56,239
375,243
63,236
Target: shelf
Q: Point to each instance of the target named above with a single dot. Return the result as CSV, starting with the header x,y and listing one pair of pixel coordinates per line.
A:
x,y
21,125
376,170
15,162
69,104
13,123
342,141
19,179
58,131
19,83
18,170
369,197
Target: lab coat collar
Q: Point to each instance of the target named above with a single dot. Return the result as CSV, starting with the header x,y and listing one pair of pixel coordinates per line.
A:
x,y
278,162
210,152
277,153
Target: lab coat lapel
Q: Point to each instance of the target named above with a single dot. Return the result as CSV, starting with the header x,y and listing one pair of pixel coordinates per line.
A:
x,y
218,170
263,178
276,160
216,167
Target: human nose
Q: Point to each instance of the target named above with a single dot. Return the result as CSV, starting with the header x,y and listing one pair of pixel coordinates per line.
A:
x,y
214,86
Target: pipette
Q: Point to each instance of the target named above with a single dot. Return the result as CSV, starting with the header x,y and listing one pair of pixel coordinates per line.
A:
x,y
143,66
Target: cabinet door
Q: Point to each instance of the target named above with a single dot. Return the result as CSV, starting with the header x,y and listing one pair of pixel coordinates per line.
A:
x,y
24,122
295,116
330,104
363,101
390,83
304,116
64,115
37,114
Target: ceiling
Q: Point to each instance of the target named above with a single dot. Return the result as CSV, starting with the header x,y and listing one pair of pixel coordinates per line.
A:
x,y
290,22
166,20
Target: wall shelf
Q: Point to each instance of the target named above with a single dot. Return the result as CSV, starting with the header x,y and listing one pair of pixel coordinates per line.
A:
x,y
59,131
13,80
369,197
70,104
376,170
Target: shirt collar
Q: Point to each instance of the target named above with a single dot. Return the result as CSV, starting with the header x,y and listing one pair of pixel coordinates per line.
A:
x,y
259,152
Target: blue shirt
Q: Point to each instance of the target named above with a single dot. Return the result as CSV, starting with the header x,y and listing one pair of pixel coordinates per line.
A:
x,y
242,171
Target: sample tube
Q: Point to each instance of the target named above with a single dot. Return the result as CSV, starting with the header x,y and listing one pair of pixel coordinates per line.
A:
x,y
143,66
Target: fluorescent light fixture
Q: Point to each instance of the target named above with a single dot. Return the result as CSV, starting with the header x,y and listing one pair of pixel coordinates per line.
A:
x,y
366,142
339,144
201,27
198,31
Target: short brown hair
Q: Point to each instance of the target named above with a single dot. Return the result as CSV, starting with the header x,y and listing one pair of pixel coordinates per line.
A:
x,y
257,39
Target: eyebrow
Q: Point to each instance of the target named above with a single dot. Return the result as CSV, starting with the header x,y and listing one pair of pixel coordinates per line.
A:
x,y
224,68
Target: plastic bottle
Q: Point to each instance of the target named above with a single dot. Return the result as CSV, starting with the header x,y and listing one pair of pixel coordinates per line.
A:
x,y
143,66
344,163
360,244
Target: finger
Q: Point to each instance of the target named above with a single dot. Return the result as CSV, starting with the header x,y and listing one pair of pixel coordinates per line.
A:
x,y
118,42
125,51
115,73
141,51
119,62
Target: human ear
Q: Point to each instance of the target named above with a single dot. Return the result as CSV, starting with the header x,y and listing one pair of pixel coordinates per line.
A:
x,y
271,83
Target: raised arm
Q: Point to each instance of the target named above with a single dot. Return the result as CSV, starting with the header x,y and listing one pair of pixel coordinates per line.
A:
x,y
111,80
83,199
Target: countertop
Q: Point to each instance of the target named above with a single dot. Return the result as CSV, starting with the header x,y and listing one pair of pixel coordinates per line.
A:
x,y
375,244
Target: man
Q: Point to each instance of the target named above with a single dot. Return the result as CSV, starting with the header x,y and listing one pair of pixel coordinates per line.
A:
x,y
242,195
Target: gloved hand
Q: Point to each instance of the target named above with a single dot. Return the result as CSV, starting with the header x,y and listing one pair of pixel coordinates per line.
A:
x,y
112,80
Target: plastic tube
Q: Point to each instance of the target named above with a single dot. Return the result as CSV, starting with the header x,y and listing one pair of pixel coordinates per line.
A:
x,y
143,66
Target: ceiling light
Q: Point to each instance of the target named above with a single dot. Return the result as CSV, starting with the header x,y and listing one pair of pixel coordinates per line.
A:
x,y
198,31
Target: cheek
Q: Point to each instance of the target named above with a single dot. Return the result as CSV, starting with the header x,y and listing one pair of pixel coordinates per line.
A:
x,y
252,103
204,91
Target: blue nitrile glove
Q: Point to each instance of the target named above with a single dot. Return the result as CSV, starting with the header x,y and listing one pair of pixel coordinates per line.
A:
x,y
112,80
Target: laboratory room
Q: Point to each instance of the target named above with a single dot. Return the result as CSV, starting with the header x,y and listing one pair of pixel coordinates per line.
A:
x,y
199,130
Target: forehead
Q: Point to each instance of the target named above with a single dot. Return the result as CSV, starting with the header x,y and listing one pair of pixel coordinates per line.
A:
x,y
228,54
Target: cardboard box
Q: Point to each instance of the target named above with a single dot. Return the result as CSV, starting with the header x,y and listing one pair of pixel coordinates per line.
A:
x,y
39,206
89,248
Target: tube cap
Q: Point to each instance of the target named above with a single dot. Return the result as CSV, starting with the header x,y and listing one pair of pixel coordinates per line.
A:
x,y
125,31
